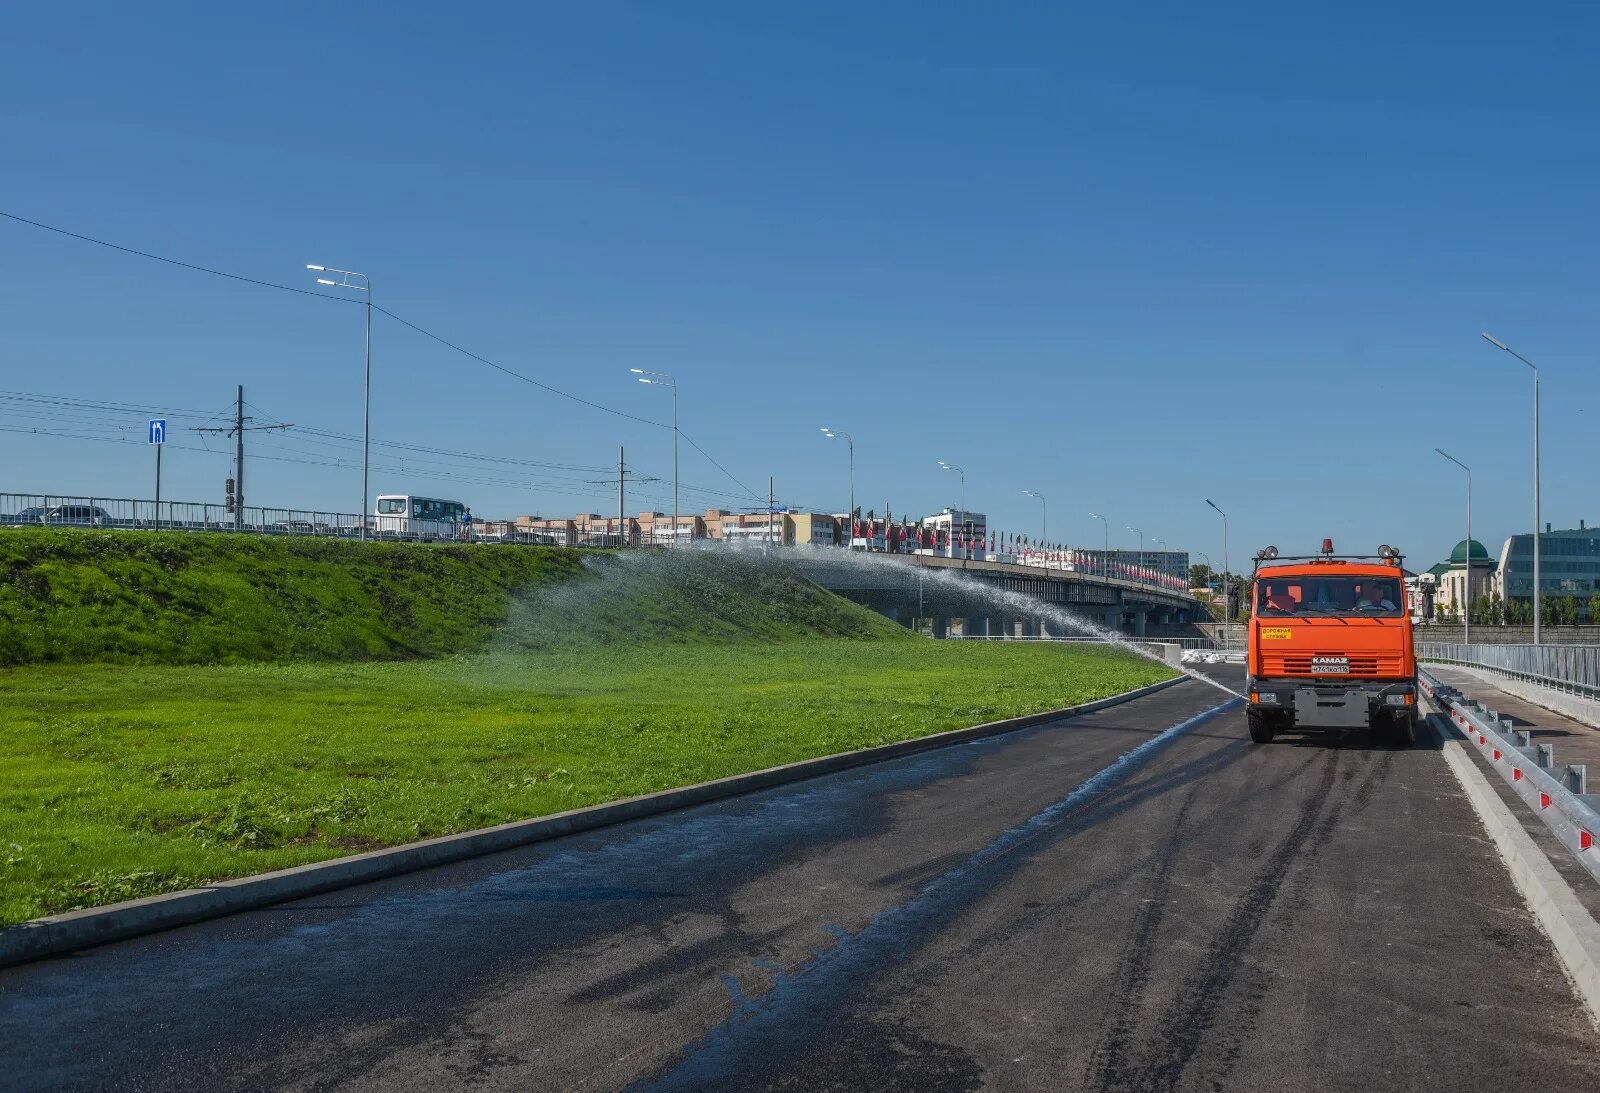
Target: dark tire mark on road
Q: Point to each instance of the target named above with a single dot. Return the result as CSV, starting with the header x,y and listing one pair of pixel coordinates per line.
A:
x,y
1108,1062
1183,1027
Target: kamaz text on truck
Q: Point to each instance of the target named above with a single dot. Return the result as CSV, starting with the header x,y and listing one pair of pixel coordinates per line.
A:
x,y
1330,645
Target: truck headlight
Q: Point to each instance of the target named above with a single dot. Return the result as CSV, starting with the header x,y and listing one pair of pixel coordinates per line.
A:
x,y
1264,698
1398,700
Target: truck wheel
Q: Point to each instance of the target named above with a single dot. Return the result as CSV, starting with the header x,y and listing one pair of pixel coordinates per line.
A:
x,y
1261,726
1402,730
1396,730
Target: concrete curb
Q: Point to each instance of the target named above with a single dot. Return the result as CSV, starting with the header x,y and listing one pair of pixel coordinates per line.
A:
x,y
1563,918
57,934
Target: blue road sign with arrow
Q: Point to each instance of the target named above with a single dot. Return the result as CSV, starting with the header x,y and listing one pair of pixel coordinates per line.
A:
x,y
158,430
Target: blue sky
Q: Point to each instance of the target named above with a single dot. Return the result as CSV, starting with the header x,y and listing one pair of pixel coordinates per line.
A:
x,y
1041,241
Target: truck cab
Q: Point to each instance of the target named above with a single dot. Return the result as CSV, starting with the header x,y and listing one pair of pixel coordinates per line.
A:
x,y
1330,645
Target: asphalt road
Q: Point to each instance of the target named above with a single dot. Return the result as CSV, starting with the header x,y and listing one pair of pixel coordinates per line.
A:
x,y
1038,911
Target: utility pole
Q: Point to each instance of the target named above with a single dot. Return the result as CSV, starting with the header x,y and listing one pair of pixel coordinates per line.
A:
x,y
240,426
238,461
771,513
622,474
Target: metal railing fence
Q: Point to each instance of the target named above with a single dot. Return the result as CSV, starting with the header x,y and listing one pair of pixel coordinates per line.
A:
x,y
1571,669
1559,796
133,514
68,510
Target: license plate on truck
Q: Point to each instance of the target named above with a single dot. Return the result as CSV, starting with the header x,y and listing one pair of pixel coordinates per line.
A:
x,y
1330,666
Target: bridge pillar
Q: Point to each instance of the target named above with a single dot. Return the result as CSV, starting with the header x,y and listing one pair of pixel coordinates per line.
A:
x,y
1138,623
941,626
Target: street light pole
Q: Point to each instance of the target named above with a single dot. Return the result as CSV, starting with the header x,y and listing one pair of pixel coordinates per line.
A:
x,y
662,379
850,442
1466,594
1163,542
366,392
1227,600
967,547
1141,543
1044,520
1105,555
1537,526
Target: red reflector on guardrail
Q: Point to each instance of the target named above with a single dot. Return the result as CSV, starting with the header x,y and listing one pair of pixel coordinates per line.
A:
x,y
1496,754
1544,800
1482,740
1516,774
1585,840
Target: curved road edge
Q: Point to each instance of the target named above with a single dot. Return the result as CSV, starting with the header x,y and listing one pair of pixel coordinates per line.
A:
x,y
92,926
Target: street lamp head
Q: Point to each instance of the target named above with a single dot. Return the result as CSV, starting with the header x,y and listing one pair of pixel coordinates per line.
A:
x,y
325,281
637,371
1496,342
323,269
1096,516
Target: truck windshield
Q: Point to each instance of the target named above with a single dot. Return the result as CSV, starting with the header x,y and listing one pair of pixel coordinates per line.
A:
x,y
1307,596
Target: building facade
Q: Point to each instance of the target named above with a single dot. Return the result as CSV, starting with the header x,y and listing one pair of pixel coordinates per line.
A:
x,y
1569,565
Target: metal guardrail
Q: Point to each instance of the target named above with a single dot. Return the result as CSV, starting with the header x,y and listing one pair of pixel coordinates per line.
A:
x,y
63,510
1559,795
130,514
1570,669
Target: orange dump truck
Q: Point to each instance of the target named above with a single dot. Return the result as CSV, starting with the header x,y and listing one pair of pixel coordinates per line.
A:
x,y
1330,645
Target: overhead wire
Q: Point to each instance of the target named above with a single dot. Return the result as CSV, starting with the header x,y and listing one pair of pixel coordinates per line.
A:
x,y
748,493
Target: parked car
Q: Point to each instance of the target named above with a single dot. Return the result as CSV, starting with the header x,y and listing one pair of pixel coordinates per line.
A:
x,y
85,515
34,515
301,527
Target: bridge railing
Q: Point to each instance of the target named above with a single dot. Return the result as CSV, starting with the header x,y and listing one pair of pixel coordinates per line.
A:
x,y
1558,795
1570,669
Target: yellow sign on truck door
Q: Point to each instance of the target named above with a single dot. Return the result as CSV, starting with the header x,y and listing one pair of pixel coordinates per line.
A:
x,y
1276,633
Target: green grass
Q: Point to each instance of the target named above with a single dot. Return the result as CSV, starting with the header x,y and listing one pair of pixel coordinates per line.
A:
x,y
188,708
74,595
117,782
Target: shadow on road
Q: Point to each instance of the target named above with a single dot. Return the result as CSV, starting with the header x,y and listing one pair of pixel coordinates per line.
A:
x,y
1356,739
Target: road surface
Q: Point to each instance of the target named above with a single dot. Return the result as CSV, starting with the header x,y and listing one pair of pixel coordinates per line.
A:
x,y
1039,911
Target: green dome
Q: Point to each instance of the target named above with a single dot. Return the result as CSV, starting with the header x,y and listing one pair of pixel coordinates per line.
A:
x,y
1459,554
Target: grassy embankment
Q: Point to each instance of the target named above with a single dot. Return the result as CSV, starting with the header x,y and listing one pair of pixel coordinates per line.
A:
x,y
250,726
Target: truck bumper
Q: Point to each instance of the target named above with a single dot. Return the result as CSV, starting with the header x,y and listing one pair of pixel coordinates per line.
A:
x,y
1333,703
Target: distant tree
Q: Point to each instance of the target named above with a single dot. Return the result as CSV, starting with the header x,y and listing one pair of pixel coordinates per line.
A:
x,y
1594,609
1567,610
1199,576
1497,610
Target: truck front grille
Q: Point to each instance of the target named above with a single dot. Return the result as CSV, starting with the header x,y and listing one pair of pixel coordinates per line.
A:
x,y
1299,664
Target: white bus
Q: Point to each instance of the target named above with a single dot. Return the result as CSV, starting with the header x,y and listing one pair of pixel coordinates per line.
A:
x,y
402,516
